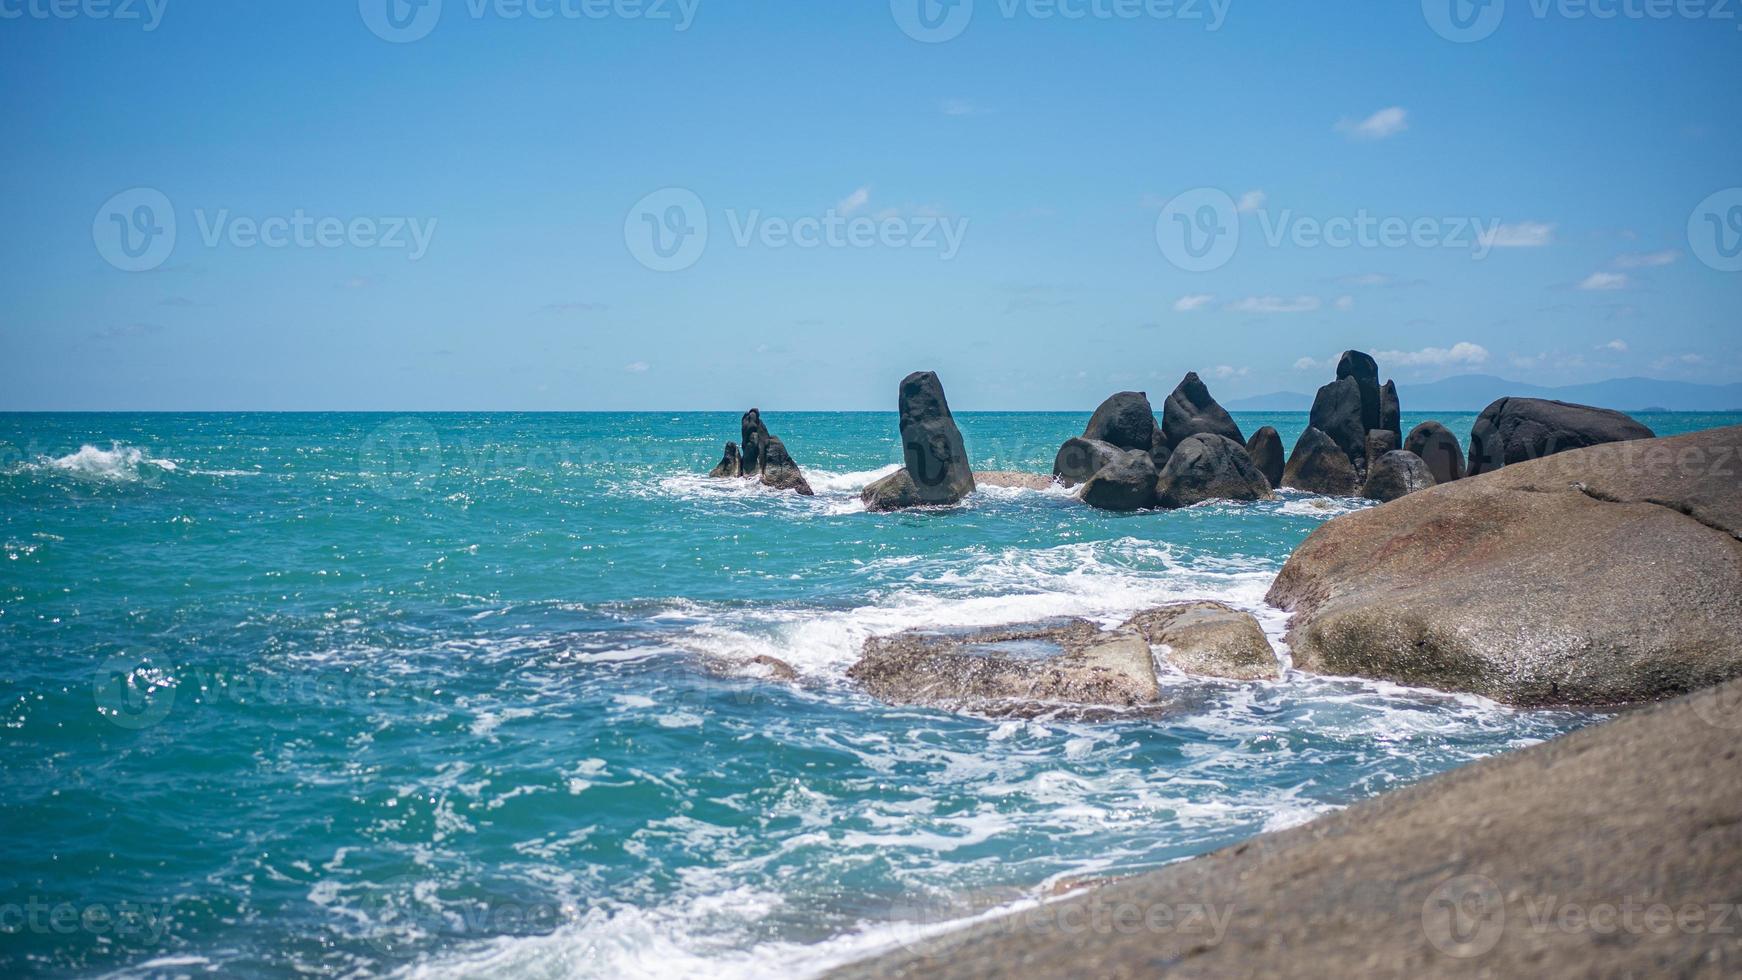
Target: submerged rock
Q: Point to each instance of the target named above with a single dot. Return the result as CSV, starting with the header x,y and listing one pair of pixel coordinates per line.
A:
x,y
936,471
1597,576
1209,467
1209,639
1319,465
1190,410
731,466
780,472
1513,430
1396,474
1439,449
1265,448
1080,458
1008,667
1126,484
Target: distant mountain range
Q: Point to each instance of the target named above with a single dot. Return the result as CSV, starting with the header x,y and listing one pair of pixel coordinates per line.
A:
x,y
1474,392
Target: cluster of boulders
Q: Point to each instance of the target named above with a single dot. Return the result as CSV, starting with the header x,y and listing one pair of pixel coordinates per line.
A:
x,y
761,456
1127,460
1353,443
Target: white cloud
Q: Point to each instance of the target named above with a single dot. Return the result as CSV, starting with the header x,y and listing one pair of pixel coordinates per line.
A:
x,y
1192,303
1306,364
1224,372
1275,304
1384,123
1618,346
1345,303
1367,279
1524,234
1251,201
638,367
1678,361
1605,281
1462,353
854,201
1647,260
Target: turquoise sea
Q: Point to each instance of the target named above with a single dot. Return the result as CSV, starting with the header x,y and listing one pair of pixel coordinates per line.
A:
x,y
463,695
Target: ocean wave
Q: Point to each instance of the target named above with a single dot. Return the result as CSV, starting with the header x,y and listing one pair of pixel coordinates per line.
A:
x,y
120,463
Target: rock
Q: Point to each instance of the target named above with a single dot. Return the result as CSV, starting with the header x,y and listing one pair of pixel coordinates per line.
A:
x,y
1190,410
1071,662
1209,467
1603,575
1379,442
1265,448
1437,447
774,668
1124,420
1396,474
731,466
1513,430
937,470
1390,412
1016,481
1210,639
780,472
754,437
1365,372
1337,413
1319,465
1567,859
1079,458
1126,484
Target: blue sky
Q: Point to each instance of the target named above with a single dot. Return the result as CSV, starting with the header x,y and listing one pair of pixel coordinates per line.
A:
x,y
477,201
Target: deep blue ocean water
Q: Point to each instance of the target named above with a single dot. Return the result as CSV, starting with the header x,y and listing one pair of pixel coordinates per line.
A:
x,y
459,695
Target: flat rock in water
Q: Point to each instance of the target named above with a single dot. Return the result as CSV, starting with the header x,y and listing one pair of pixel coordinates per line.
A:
x,y
1599,576
1209,639
1017,481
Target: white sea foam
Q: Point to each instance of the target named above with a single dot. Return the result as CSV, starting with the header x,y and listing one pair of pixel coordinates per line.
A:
x,y
119,463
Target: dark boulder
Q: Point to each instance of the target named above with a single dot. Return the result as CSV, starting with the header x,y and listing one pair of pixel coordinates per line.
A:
x,y
1265,448
1126,484
1396,474
937,472
1081,458
1124,420
1513,430
1209,467
1319,465
1337,413
1191,410
754,436
1365,371
894,492
730,466
780,472
1437,447
1379,442
1390,411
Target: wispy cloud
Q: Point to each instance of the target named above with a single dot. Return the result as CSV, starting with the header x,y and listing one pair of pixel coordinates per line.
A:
x,y
1647,260
1193,303
1524,234
1276,304
1463,353
1306,364
1618,346
1252,201
1603,282
958,107
854,201
1382,124
1225,372
638,367
1345,303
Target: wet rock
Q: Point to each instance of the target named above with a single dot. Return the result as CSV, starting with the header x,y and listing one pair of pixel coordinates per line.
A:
x,y
1319,465
1080,458
731,465
1124,420
937,467
1126,484
773,668
894,492
1209,639
1209,467
1513,430
1396,474
1439,448
754,438
1265,448
780,472
1191,410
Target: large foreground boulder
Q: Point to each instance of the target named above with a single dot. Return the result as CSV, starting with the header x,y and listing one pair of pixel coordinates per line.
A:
x,y
1080,458
1209,639
1126,484
780,472
1513,430
1190,410
1319,465
936,460
1439,448
1603,575
1265,448
731,465
1611,852
1209,467
1010,668
1396,474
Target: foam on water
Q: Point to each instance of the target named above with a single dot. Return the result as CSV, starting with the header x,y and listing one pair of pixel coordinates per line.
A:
x,y
120,463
